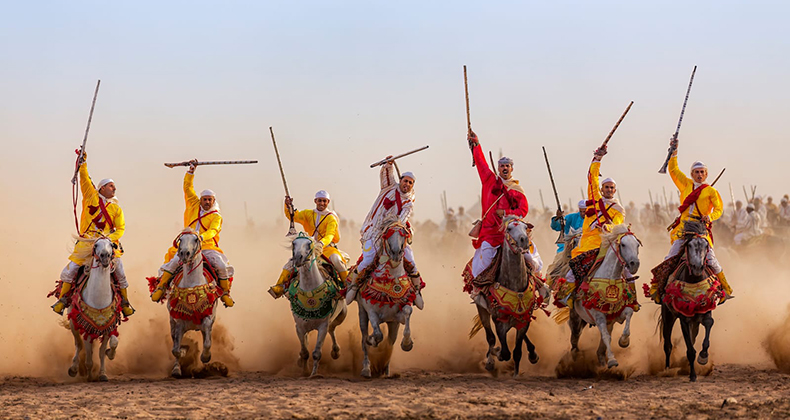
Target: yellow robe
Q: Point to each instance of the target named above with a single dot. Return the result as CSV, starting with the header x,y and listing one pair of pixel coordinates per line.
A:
x,y
209,226
595,224
708,204
328,231
88,221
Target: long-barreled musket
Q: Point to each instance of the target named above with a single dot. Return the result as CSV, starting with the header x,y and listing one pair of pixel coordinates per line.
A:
x,y
717,178
383,161
561,238
211,162
611,133
468,119
291,229
671,150
85,138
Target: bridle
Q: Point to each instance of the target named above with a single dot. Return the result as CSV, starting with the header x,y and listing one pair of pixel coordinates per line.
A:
x,y
688,237
95,257
614,244
312,259
391,230
511,243
177,244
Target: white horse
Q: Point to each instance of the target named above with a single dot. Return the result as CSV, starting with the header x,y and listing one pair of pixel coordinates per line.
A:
x,y
95,301
192,283
313,304
623,251
390,268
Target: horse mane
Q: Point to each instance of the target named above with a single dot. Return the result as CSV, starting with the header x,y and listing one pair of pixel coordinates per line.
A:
x,y
693,227
615,231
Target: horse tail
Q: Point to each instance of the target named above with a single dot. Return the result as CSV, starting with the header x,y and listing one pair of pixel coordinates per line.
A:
x,y
477,325
561,316
660,326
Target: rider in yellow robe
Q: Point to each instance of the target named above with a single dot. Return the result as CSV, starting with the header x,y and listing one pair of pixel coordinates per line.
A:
x,y
203,216
101,216
322,225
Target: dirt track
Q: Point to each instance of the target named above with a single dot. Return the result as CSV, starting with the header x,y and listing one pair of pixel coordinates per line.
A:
x,y
413,394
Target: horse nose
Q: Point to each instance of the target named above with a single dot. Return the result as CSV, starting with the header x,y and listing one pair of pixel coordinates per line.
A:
x,y
634,267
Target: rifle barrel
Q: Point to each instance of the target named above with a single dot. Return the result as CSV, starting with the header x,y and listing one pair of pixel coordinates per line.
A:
x,y
383,161
212,162
87,129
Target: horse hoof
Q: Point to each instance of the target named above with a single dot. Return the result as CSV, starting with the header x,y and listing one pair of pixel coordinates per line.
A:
x,y
316,376
407,347
490,365
533,358
702,360
613,363
205,357
504,356
692,379
335,354
624,341
73,371
103,378
110,353
366,373
176,372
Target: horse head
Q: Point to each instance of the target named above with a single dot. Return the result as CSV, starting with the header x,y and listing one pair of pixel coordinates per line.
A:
x,y
517,233
627,246
302,249
188,244
696,245
395,237
103,251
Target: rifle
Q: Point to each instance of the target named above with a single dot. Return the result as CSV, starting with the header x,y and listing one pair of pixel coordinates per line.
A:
x,y
383,161
493,167
561,238
291,229
671,150
611,133
85,138
717,178
468,120
211,162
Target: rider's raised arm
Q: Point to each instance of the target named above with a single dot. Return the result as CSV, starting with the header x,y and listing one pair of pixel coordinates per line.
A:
x,y
120,226
190,196
593,188
678,177
387,175
213,228
86,185
483,170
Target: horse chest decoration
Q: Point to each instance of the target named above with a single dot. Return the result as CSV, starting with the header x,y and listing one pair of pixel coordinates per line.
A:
x,y
316,303
508,292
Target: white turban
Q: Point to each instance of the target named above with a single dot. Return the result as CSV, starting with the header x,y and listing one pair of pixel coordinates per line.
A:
x,y
207,193
104,182
504,160
698,165
582,204
410,175
608,180
322,194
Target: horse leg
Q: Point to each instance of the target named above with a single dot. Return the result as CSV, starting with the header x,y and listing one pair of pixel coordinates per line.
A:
x,y
521,334
625,338
667,324
319,342
102,355
707,322
176,333
533,356
407,343
577,325
485,319
605,347
363,328
392,337
339,320
501,332
377,336
301,333
75,362
113,347
205,328
691,354
88,358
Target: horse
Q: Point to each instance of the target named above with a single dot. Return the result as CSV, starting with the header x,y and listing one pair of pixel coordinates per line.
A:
x,y
511,299
315,302
387,297
690,295
608,296
95,310
193,298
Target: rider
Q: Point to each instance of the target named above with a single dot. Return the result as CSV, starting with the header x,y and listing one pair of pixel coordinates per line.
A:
x,y
322,224
396,199
101,216
700,202
603,211
572,221
501,196
203,216
749,227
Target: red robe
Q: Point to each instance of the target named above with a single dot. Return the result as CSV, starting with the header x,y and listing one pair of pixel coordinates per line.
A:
x,y
513,202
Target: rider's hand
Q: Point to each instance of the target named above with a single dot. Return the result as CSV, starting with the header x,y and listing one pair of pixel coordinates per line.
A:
x,y
389,159
84,157
192,166
559,213
500,213
599,153
673,142
471,137
705,219
289,202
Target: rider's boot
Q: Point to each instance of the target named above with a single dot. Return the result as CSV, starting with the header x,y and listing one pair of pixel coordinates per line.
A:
x,y
416,281
225,298
160,289
60,305
126,307
352,284
279,289
725,287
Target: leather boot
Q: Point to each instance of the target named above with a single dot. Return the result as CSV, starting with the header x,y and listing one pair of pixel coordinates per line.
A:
x,y
126,307
278,289
160,289
225,298
352,285
60,305
726,287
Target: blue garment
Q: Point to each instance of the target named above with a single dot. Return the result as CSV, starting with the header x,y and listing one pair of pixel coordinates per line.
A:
x,y
573,220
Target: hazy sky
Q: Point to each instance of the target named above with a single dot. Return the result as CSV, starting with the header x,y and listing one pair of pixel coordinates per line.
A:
x,y
346,83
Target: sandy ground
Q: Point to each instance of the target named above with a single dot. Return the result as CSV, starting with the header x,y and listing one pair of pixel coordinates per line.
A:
x,y
411,394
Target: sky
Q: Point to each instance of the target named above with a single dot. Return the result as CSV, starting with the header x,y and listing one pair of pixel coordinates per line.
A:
x,y
345,84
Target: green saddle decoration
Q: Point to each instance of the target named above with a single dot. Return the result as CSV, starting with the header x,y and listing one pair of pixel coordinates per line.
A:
x,y
315,304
